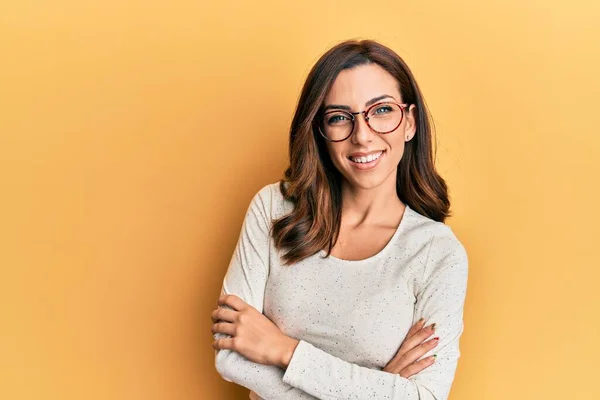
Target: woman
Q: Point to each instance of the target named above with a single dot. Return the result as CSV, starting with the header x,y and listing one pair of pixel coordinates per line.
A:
x,y
345,270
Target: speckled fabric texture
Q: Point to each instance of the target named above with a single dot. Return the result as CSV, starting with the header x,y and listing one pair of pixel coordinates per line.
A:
x,y
350,316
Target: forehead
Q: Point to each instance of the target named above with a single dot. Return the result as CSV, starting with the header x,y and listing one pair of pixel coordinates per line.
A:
x,y
355,86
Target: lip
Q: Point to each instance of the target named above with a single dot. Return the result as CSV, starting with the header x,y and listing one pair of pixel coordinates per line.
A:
x,y
360,154
368,165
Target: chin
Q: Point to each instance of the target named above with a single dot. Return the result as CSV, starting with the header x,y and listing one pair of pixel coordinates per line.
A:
x,y
367,181
363,183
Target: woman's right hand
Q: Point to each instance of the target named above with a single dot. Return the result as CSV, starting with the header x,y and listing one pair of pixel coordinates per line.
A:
x,y
414,346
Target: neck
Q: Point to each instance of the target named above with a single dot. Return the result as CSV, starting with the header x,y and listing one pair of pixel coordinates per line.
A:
x,y
371,206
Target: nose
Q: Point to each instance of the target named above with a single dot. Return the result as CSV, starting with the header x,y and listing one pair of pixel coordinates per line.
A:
x,y
362,133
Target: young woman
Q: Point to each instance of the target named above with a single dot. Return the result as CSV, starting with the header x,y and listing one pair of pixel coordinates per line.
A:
x,y
345,282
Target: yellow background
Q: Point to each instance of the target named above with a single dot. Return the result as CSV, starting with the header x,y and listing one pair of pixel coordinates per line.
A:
x,y
134,134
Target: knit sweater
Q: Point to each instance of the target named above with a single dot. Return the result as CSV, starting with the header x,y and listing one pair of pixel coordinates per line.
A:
x,y
350,317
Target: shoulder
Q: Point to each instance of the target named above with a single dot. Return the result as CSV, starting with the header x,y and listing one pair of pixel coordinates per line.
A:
x,y
442,248
440,239
271,201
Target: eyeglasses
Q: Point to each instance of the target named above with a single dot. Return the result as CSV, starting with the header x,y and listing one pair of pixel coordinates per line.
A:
x,y
382,118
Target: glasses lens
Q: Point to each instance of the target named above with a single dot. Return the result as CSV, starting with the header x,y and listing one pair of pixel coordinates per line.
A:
x,y
385,117
336,125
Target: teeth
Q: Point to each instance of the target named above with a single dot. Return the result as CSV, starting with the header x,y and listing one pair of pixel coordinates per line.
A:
x,y
369,158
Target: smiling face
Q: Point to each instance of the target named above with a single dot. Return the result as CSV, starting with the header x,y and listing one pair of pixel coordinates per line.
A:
x,y
368,159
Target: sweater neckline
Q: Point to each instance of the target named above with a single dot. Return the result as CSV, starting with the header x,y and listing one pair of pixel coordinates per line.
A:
x,y
399,229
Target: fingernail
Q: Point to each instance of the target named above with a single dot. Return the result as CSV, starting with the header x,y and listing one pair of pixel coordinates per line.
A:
x,y
436,338
435,356
433,326
421,320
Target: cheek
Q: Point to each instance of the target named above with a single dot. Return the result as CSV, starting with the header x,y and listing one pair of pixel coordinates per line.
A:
x,y
335,154
399,151
395,149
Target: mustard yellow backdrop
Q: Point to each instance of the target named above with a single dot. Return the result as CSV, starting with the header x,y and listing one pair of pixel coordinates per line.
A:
x,y
133,135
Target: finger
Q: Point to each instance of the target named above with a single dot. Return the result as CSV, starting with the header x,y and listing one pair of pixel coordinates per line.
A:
x,y
223,314
224,343
223,327
411,341
403,360
417,339
232,301
416,327
417,367
414,354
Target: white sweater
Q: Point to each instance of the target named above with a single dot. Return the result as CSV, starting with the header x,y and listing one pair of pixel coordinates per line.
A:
x,y
349,316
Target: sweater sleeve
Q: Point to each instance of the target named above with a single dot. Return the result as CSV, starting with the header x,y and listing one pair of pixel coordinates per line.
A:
x,y
440,296
246,277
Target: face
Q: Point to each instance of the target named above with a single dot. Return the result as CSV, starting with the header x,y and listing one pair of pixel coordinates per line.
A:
x,y
357,89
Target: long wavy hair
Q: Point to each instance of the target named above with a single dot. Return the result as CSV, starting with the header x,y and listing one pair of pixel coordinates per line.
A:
x,y
313,183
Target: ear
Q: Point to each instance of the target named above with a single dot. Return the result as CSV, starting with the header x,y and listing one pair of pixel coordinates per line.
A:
x,y
410,128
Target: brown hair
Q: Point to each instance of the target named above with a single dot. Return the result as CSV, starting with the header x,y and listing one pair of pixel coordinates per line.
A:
x,y
313,183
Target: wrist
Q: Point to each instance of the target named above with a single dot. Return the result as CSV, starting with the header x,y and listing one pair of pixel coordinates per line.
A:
x,y
287,351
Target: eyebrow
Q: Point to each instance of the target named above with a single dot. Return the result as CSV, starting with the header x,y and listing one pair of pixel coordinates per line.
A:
x,y
367,104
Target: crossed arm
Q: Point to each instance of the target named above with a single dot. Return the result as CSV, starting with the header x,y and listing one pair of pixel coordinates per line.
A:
x,y
314,373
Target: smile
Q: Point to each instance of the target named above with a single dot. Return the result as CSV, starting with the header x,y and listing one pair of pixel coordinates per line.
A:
x,y
366,159
366,162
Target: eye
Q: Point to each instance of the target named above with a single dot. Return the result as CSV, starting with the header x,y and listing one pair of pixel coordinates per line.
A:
x,y
382,110
337,119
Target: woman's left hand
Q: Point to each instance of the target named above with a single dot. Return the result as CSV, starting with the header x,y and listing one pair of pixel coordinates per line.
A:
x,y
253,335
